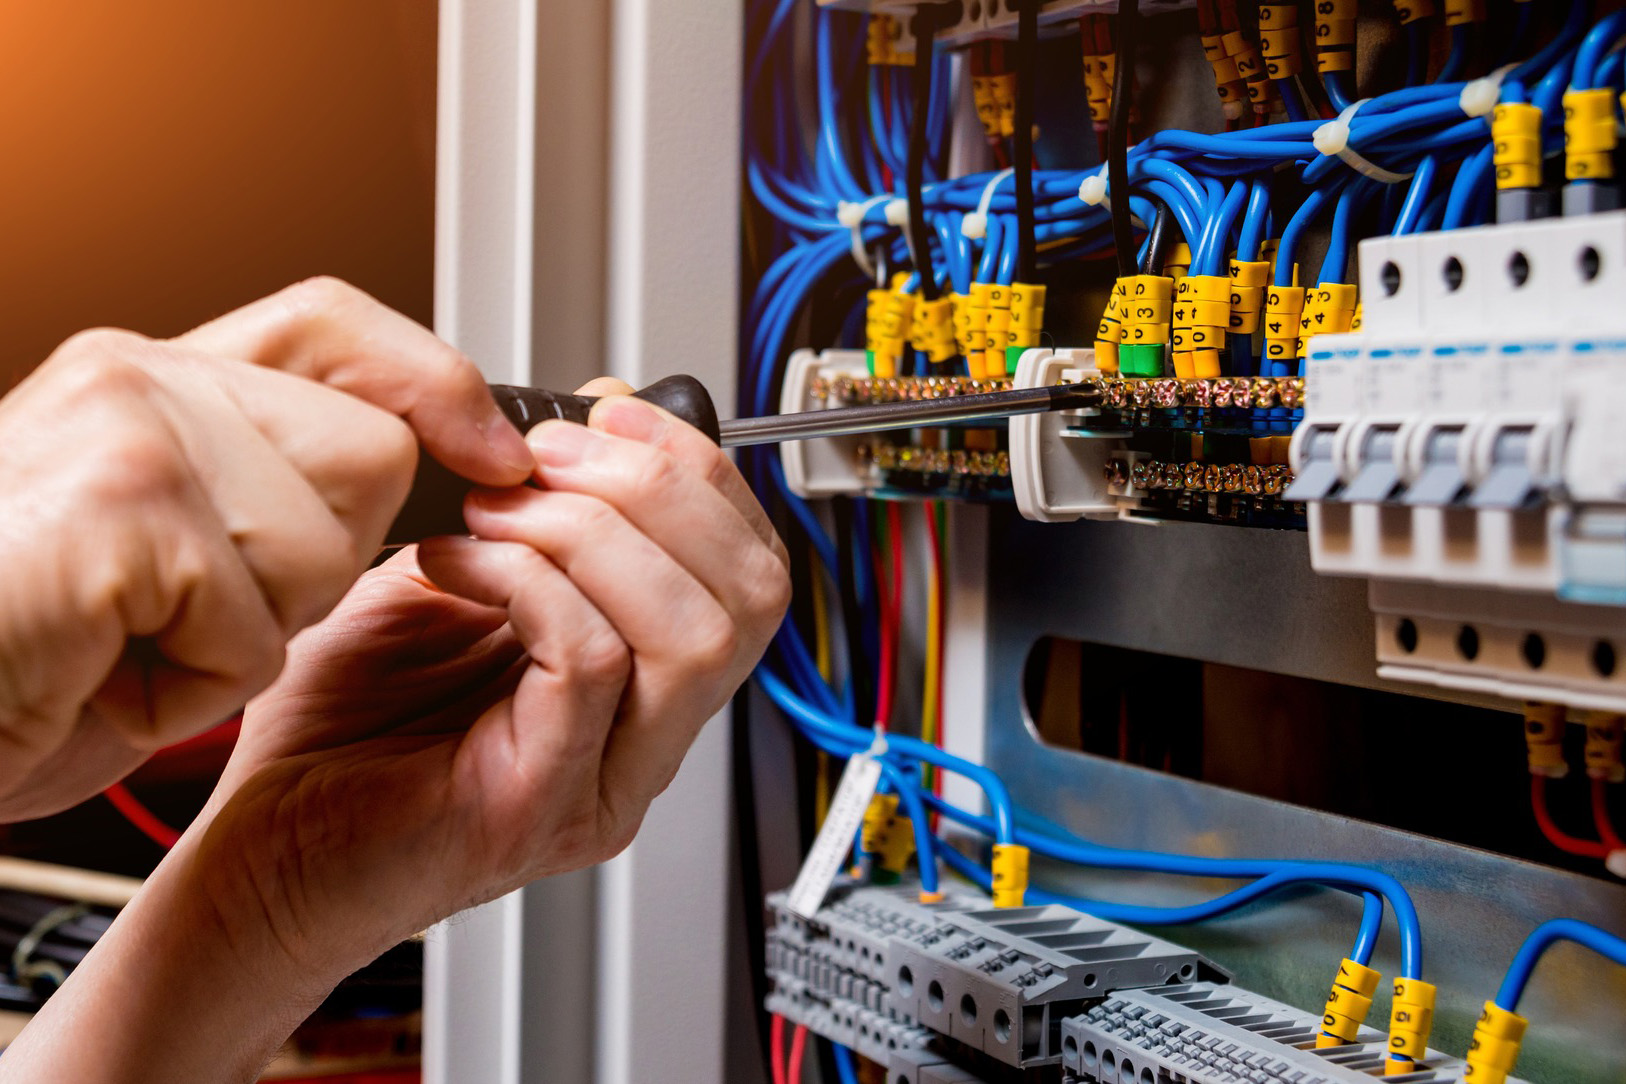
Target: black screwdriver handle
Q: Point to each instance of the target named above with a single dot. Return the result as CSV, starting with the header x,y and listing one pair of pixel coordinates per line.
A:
x,y
683,396
435,504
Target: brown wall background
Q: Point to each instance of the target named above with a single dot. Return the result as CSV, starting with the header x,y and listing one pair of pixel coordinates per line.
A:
x,y
164,161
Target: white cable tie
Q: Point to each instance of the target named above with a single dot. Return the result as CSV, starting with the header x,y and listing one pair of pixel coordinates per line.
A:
x,y
897,213
1616,864
877,747
851,215
975,225
1094,189
1332,138
1479,96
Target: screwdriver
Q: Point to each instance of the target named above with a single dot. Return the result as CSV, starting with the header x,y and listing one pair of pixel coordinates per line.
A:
x,y
435,504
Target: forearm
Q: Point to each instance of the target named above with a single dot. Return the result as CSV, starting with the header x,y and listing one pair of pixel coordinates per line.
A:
x,y
177,990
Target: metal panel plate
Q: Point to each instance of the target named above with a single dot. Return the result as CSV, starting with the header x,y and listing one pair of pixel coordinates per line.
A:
x,y
1248,598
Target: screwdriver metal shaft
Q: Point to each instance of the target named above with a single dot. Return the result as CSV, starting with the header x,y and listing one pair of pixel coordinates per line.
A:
x,y
906,414
435,505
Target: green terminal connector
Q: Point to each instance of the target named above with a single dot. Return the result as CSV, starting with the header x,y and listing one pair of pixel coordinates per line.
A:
x,y
1141,359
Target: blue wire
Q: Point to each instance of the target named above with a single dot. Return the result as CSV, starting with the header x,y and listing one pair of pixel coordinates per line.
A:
x,y
1351,878
845,1071
1416,196
1290,100
1417,51
1307,212
1219,230
1544,937
1611,69
1574,28
1140,915
1339,91
843,739
1594,46
991,246
1254,221
1457,59
925,842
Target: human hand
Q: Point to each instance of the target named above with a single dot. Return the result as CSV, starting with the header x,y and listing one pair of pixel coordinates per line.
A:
x,y
172,512
428,749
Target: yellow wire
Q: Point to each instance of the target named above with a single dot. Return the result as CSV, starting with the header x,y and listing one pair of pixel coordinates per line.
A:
x,y
821,628
929,708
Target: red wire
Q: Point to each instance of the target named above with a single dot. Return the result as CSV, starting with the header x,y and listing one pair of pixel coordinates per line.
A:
x,y
798,1044
1600,814
141,817
776,1056
1569,844
891,616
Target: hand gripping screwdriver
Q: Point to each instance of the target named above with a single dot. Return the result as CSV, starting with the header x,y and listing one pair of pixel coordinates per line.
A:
x,y
435,504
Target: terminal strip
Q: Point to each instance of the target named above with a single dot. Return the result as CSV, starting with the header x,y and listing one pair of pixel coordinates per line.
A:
x,y
1202,1033
882,972
1118,393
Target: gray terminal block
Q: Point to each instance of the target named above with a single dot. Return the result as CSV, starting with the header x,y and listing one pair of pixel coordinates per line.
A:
x,y
1202,1033
928,1067
1001,981
830,973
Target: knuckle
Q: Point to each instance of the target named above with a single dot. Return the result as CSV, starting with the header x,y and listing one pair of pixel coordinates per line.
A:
x,y
102,361
601,656
773,589
390,449
713,644
656,478
321,294
593,519
149,466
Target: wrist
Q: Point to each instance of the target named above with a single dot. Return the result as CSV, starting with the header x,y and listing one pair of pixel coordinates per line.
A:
x,y
180,989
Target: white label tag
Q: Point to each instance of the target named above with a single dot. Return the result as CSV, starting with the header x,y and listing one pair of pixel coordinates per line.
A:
x,y
858,783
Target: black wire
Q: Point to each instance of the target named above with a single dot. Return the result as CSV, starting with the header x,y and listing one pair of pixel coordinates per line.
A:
x,y
1027,45
920,249
1118,137
1157,241
1311,89
747,834
851,617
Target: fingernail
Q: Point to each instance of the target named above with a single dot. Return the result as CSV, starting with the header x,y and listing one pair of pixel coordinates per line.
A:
x,y
561,444
506,443
633,419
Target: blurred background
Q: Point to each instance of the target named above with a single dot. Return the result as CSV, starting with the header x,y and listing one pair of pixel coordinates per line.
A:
x,y
169,160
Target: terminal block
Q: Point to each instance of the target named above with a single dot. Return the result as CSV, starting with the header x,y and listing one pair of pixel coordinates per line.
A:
x,y
882,972
961,461
1209,450
1200,1033
984,20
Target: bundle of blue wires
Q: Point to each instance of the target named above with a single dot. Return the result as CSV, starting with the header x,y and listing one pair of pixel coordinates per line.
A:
x,y
1218,190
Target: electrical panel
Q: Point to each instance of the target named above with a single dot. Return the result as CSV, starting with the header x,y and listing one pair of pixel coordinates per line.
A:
x,y
1336,291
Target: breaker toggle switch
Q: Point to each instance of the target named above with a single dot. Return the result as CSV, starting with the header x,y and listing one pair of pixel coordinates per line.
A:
x,y
1377,467
1441,480
1317,473
1511,482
